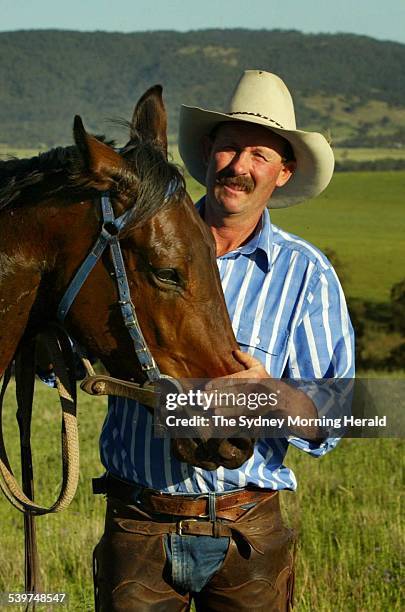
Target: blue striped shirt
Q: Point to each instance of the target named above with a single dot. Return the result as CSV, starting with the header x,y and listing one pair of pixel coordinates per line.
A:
x,y
287,309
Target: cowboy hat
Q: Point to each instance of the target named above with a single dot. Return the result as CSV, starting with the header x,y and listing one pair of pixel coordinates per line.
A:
x,y
262,98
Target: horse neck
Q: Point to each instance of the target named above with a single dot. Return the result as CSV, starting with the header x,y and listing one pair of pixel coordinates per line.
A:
x,y
30,243
19,283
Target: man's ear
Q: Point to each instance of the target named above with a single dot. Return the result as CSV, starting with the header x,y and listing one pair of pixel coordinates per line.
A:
x,y
102,165
286,173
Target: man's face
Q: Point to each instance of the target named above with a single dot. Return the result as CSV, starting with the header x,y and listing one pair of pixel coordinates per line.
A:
x,y
245,165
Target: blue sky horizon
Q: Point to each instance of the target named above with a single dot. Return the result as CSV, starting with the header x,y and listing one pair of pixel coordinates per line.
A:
x,y
381,20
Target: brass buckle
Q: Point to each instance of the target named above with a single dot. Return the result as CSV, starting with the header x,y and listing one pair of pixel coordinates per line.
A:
x,y
179,525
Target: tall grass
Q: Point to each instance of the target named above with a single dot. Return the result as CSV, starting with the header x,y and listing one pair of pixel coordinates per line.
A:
x,y
348,504
347,510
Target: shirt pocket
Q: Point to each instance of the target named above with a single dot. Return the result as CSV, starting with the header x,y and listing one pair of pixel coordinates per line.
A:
x,y
261,343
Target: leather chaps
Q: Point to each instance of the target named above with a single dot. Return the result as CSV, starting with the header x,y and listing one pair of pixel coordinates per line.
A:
x,y
131,572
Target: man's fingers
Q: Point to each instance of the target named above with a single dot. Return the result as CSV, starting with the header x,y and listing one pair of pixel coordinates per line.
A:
x,y
253,369
247,360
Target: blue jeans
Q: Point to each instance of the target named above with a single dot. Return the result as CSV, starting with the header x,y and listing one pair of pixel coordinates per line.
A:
x,y
144,569
194,559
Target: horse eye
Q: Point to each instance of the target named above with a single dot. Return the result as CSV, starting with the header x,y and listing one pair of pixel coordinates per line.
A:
x,y
167,275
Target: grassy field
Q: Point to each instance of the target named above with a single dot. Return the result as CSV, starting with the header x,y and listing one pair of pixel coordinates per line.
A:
x,y
361,217
347,511
8,150
363,154
348,504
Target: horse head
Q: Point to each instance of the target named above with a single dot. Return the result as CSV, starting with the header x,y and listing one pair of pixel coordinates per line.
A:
x,y
169,256
168,252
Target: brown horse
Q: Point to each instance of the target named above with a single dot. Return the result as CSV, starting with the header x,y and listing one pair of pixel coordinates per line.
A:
x,y
50,218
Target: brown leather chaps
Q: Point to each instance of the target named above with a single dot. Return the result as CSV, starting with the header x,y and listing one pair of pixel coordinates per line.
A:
x,y
131,574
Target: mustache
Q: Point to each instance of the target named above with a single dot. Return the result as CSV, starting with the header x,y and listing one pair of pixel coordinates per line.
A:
x,y
224,177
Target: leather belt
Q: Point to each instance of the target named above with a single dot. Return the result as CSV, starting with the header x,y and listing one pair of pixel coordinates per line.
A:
x,y
183,527
228,506
255,528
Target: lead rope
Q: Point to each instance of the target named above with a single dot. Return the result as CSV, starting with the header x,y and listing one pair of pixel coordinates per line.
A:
x,y
25,381
66,385
23,498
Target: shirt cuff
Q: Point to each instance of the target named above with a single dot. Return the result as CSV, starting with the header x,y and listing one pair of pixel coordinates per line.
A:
x,y
313,447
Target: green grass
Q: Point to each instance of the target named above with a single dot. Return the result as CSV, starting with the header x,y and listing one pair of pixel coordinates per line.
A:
x,y
361,217
348,514
9,150
66,539
347,510
368,154
348,504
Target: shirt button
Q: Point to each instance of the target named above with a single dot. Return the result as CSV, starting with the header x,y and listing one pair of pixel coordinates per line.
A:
x,y
257,340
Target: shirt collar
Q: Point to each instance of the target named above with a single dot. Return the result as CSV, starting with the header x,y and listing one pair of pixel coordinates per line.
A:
x,y
261,240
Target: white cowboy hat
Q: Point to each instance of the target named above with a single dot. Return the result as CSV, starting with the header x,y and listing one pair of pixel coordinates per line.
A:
x,y
262,97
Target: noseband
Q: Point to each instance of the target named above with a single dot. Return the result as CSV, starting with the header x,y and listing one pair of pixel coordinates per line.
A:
x,y
110,231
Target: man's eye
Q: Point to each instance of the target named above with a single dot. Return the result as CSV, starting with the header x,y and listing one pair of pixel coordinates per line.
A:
x,y
260,156
167,275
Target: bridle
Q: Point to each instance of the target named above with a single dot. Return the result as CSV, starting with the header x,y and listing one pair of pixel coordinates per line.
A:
x,y
109,236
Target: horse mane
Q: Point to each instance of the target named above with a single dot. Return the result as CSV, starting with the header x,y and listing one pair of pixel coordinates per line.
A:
x,y
17,176
61,171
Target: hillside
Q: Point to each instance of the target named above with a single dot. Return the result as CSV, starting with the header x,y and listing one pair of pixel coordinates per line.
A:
x,y
350,87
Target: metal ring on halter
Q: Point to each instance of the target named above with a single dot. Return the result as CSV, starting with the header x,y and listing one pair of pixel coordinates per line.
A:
x,y
172,381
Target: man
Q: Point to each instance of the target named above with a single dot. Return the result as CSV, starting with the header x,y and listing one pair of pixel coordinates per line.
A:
x,y
218,535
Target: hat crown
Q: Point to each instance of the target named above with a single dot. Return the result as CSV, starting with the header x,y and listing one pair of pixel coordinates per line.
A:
x,y
263,94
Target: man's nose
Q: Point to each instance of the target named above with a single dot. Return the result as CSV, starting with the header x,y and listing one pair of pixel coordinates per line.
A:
x,y
240,162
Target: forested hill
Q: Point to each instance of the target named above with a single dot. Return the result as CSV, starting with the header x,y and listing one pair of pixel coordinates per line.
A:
x,y
352,87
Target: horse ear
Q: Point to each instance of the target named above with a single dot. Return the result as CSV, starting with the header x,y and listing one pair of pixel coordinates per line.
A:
x,y
101,162
149,118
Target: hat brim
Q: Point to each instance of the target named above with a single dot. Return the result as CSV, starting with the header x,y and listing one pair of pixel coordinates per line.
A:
x,y
314,156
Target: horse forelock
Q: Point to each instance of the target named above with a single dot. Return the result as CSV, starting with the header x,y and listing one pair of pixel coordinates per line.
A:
x,y
151,180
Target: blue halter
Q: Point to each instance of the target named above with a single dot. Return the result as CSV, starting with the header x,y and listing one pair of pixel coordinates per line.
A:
x,y
109,236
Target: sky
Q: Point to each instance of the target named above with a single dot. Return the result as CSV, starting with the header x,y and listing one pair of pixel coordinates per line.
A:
x,y
383,19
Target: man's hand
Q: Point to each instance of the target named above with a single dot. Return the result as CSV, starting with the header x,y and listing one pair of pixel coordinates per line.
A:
x,y
253,367
235,383
292,402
